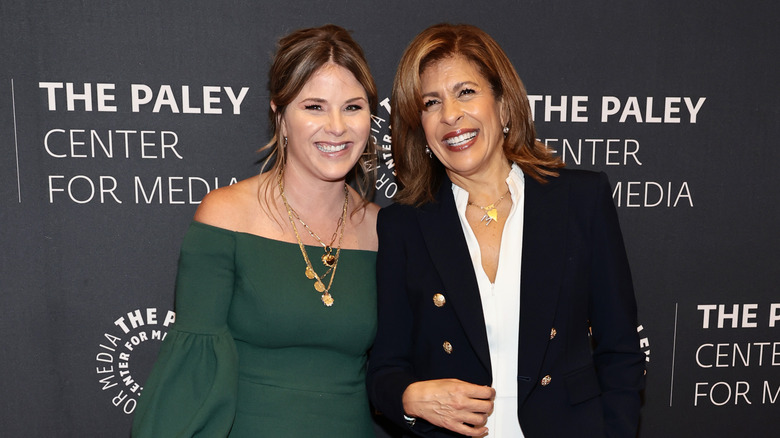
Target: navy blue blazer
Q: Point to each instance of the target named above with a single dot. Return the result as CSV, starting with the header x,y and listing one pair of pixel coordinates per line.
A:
x,y
575,280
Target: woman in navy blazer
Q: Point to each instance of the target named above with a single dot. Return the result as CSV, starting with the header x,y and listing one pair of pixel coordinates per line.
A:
x,y
506,306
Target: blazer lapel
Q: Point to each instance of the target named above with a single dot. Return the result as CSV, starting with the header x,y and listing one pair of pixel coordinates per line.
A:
x,y
447,247
544,239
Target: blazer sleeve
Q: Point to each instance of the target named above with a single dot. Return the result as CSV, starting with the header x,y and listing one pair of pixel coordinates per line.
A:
x,y
617,357
389,366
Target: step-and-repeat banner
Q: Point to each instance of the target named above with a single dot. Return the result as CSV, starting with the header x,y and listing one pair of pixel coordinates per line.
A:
x,y
116,118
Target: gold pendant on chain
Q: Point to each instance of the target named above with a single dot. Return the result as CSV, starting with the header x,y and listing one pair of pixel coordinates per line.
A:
x,y
491,214
328,259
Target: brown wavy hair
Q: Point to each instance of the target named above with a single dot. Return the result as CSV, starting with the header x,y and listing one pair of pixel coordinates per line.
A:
x,y
298,56
419,175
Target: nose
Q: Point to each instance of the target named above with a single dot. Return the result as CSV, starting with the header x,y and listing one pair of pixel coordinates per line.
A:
x,y
451,111
336,124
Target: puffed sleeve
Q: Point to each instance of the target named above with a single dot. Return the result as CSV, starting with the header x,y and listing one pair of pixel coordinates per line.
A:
x,y
191,391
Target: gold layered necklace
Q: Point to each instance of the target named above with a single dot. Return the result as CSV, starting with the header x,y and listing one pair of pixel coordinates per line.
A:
x,y
328,258
491,211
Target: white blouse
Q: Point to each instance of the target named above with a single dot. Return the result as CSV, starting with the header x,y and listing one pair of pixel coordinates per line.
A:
x,y
501,303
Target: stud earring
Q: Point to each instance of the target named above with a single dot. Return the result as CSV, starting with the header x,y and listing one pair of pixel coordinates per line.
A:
x,y
506,130
285,141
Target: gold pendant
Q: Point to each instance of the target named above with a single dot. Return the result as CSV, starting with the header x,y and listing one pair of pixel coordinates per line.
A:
x,y
491,214
328,259
319,286
327,299
310,273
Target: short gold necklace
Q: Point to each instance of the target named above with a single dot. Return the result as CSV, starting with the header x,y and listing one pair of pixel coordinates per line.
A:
x,y
491,211
328,259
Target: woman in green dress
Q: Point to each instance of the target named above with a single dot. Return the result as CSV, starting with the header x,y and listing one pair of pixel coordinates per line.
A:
x,y
275,294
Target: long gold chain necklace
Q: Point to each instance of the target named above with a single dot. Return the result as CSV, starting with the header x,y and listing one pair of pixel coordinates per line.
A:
x,y
328,259
491,211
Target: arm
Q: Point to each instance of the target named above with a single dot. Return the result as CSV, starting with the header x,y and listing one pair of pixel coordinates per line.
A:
x,y
191,391
618,359
389,366
393,387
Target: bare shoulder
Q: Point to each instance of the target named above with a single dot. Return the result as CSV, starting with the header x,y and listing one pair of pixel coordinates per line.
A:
x,y
229,207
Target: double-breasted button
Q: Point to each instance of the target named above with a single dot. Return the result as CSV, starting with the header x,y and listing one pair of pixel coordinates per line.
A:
x,y
553,332
447,347
439,300
546,380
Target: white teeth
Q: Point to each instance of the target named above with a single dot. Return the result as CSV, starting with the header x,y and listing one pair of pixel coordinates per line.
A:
x,y
463,138
330,148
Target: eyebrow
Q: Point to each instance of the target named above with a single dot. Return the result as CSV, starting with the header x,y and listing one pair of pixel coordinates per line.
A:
x,y
454,87
321,100
355,99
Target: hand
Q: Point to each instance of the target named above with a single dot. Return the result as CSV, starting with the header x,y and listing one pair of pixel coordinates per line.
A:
x,y
453,404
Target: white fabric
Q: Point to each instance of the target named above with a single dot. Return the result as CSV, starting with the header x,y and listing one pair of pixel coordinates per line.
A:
x,y
501,303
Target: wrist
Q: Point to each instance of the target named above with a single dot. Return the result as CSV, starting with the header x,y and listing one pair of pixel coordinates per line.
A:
x,y
406,398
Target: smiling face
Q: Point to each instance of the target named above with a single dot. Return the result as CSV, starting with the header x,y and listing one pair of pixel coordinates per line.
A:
x,y
327,125
462,119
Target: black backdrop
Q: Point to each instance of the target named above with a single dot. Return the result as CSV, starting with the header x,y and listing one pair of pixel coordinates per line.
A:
x,y
117,117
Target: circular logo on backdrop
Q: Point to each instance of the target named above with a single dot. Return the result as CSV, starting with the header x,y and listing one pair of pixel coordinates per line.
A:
x,y
386,186
125,354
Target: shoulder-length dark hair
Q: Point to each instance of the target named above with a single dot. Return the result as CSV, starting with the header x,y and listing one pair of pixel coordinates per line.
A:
x,y
419,175
298,56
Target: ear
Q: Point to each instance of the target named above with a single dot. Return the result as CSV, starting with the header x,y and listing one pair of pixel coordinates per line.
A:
x,y
503,113
279,120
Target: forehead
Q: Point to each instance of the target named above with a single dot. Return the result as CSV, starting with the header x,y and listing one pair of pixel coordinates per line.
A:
x,y
332,79
450,71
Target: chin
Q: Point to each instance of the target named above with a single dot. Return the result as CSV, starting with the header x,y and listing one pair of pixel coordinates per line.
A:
x,y
335,174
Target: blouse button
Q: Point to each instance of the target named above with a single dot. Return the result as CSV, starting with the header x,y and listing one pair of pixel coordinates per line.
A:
x,y
447,347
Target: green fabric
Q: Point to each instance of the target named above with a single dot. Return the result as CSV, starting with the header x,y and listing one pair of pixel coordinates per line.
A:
x,y
253,351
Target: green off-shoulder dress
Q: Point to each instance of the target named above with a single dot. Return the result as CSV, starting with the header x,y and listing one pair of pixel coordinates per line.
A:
x,y
254,352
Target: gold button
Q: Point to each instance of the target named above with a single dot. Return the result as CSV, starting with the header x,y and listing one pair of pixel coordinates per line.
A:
x,y
447,347
553,332
546,380
439,300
